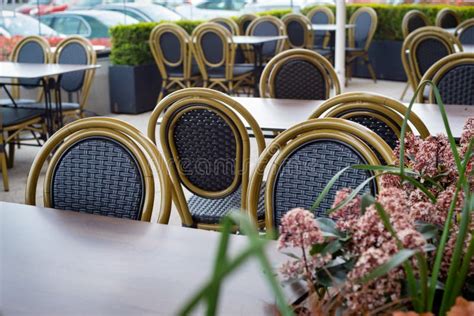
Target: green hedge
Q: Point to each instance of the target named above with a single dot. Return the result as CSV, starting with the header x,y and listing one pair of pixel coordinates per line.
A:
x,y
390,16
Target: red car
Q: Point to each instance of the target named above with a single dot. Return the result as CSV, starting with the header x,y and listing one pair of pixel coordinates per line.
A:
x,y
42,7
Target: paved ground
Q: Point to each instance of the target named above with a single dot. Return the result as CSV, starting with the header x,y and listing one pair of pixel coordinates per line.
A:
x,y
25,155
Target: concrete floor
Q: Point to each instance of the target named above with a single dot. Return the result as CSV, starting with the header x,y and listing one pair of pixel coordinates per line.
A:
x,y
25,155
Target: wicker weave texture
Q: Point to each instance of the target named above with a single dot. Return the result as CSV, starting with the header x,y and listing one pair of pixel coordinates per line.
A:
x,y
299,79
207,149
457,84
415,22
429,51
308,169
98,176
211,211
379,127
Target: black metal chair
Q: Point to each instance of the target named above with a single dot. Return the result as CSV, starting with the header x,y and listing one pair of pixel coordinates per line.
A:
x,y
102,166
31,49
447,18
299,31
454,77
321,15
360,38
304,159
268,26
207,148
299,74
465,32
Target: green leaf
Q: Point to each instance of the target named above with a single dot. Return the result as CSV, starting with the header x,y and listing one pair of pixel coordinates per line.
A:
x,y
366,201
328,187
396,260
352,195
428,231
328,228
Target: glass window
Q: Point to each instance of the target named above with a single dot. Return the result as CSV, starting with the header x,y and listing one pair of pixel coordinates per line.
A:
x,y
67,25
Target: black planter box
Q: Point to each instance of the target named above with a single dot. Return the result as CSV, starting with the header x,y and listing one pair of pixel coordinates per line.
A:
x,y
133,89
386,60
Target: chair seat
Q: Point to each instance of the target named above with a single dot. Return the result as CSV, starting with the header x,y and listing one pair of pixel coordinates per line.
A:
x,y
14,116
178,71
211,211
355,50
8,102
66,106
326,52
239,70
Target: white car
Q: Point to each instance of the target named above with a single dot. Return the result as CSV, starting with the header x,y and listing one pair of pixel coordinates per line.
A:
x,y
18,24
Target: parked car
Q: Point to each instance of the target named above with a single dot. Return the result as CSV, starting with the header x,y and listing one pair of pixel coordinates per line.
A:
x,y
84,4
296,5
18,24
42,7
88,23
142,12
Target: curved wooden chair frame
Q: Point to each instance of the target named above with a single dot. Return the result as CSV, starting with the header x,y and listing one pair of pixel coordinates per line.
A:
x,y
406,19
219,103
185,60
233,26
89,74
305,23
443,13
436,72
268,76
280,46
328,128
331,20
410,45
376,105
249,17
127,135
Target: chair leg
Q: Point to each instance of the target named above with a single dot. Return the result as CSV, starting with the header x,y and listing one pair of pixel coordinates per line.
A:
x,y
3,165
162,91
405,91
371,69
11,152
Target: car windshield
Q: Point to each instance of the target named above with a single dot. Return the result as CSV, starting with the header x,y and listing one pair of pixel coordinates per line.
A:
x,y
34,2
23,25
114,19
158,13
87,3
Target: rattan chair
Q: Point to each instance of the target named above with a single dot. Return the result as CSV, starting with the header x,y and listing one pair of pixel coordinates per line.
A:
x,y
268,26
215,53
413,20
422,48
305,157
14,121
360,38
382,115
447,18
321,15
207,148
102,166
31,49
465,32
228,23
454,77
171,47
299,31
244,22
299,74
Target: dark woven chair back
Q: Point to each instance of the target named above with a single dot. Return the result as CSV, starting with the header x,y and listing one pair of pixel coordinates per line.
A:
x,y
296,33
306,171
466,33
320,16
245,25
244,22
363,23
211,43
73,53
428,52
412,21
267,28
456,84
171,48
207,149
415,22
300,79
98,175
447,19
31,52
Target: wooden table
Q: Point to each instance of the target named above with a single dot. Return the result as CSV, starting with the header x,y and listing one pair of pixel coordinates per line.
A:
x,y
66,263
279,114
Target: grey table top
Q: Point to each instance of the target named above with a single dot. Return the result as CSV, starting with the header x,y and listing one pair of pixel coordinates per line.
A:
x,y
240,39
280,114
329,27
29,71
67,263
468,48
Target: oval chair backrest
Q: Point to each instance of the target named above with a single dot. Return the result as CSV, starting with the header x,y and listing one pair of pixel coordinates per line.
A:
x,y
101,166
79,51
321,15
447,18
268,26
244,22
454,77
212,42
304,159
299,74
465,32
31,49
412,21
298,29
365,20
228,23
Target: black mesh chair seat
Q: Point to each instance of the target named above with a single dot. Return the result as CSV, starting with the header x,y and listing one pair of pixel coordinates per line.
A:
x,y
8,102
219,72
379,127
98,175
14,116
178,71
211,211
304,174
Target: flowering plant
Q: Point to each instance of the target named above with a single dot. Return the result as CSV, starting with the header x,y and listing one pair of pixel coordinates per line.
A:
x,y
409,244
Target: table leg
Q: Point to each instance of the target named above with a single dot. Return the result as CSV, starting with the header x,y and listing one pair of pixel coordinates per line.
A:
x,y
59,106
48,106
258,63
